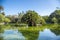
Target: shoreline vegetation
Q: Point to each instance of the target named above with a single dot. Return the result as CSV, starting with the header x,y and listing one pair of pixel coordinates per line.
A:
x,y
31,28
29,20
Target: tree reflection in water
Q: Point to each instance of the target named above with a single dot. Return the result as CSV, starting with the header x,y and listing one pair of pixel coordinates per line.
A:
x,y
30,35
34,34
56,30
1,31
1,38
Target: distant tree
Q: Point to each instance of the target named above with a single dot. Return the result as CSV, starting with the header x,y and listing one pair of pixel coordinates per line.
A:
x,y
31,18
20,15
13,19
46,18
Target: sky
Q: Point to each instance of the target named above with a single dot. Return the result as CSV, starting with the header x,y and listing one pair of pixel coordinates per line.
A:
x,y
42,7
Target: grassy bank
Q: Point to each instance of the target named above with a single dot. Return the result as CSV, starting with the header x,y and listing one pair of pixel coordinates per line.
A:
x,y
33,28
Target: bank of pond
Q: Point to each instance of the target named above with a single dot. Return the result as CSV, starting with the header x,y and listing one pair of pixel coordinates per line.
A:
x,y
44,32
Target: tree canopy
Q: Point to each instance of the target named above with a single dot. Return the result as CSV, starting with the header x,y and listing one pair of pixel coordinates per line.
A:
x,y
55,14
3,18
31,18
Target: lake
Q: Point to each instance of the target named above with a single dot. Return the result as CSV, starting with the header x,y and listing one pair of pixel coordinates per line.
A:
x,y
45,34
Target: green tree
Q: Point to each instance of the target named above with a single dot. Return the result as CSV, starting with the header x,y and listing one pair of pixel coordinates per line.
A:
x,y
55,14
31,18
54,20
6,20
46,18
2,18
41,20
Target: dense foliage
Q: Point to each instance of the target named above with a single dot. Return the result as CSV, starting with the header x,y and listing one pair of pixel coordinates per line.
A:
x,y
30,17
55,16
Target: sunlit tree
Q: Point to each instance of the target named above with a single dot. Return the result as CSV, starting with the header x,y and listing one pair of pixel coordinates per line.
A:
x,y
31,18
54,20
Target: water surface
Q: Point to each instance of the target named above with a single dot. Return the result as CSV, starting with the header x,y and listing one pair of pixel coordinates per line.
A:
x,y
45,34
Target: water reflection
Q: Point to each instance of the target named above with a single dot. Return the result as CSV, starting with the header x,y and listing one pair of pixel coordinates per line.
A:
x,y
30,35
1,31
12,35
44,34
48,35
1,38
56,31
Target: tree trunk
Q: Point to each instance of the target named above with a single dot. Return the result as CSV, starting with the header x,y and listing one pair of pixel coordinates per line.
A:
x,y
31,23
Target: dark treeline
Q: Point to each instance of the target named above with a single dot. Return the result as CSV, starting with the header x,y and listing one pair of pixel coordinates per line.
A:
x,y
30,17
